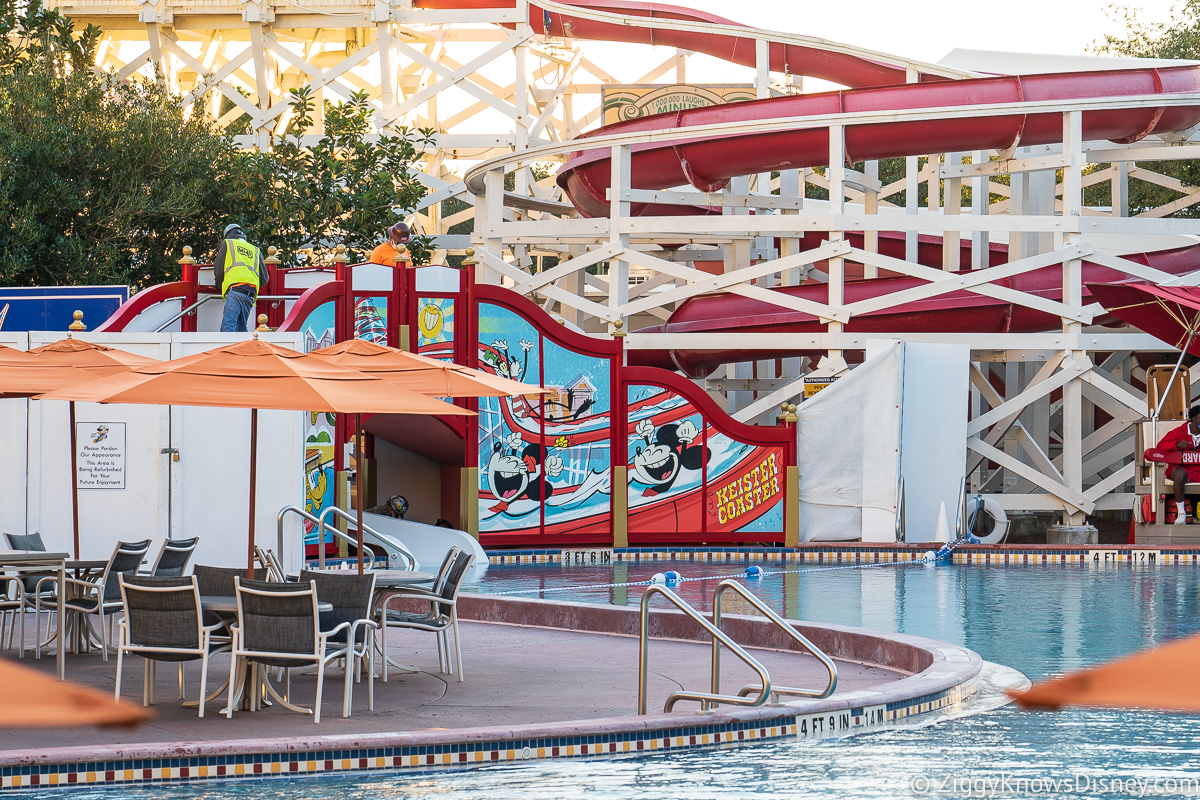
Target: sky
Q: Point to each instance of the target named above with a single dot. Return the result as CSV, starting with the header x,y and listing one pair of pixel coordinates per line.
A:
x,y
929,29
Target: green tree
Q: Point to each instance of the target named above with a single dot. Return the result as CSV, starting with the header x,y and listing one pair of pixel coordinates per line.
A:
x,y
341,189
1180,38
100,181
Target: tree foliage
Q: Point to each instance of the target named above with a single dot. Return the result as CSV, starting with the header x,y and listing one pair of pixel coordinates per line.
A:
x,y
1178,39
100,181
105,181
343,188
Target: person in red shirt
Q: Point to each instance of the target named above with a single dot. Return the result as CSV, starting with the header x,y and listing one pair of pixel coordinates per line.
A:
x,y
1185,437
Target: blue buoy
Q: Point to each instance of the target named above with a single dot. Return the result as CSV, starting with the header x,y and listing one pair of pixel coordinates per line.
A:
x,y
754,572
673,577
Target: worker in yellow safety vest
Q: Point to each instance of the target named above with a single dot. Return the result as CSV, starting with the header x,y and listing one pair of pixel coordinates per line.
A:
x,y
240,272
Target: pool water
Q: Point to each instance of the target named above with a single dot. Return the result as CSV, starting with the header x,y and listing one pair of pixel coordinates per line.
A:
x,y
1039,620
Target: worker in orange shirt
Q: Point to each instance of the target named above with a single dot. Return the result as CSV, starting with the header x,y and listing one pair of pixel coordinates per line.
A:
x,y
386,253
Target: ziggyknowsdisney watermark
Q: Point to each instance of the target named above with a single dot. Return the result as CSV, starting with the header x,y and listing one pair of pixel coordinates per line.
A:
x,y
1010,785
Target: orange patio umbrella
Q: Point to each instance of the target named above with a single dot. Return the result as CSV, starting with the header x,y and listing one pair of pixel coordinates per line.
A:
x,y
97,360
25,375
415,373
421,374
32,699
257,375
1161,679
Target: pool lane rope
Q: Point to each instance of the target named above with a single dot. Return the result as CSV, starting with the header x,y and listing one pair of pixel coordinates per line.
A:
x,y
755,572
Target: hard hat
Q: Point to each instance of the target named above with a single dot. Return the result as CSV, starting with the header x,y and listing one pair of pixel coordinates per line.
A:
x,y
397,506
399,233
230,229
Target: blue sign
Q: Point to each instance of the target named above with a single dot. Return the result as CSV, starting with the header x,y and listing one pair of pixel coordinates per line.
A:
x,y
52,308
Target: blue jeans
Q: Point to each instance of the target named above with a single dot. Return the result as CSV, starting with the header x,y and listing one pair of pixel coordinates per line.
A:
x,y
239,308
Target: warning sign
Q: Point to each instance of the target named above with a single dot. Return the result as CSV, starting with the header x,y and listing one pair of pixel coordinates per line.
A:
x,y
814,385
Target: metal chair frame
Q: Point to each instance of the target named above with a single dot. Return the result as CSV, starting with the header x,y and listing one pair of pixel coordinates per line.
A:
x,y
206,645
243,651
104,606
442,616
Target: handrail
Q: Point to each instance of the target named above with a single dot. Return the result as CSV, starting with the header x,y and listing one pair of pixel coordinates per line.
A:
x,y
283,512
783,625
185,311
322,526
704,699
960,521
900,520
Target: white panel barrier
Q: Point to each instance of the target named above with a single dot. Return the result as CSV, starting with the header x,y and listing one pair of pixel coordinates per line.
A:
x,y
147,493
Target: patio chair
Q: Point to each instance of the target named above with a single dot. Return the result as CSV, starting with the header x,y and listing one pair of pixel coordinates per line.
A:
x,y
219,582
351,596
438,582
173,558
12,605
103,596
163,623
279,626
31,582
272,564
442,614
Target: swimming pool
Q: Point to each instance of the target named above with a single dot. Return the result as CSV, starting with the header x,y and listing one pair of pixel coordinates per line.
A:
x,y
1040,620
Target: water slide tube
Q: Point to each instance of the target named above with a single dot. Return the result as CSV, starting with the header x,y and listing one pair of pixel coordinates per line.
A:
x,y
709,163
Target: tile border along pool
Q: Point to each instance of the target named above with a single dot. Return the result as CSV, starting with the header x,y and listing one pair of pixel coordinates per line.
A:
x,y
937,676
858,553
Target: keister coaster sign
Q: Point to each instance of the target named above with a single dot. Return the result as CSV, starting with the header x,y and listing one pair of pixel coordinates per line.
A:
x,y
100,462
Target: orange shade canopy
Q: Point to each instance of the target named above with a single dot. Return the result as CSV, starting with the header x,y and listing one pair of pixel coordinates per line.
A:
x,y
1162,678
26,375
97,359
33,699
421,374
256,374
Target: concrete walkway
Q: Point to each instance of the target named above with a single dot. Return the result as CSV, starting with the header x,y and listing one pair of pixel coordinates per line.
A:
x,y
515,675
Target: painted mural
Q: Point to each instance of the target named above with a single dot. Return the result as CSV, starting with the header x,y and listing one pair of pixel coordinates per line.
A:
x,y
545,462
435,327
319,432
370,319
685,476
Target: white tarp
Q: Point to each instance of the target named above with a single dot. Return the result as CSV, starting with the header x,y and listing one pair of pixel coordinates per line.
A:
x,y
848,449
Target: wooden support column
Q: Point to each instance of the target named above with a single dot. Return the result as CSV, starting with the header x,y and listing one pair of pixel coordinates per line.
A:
x,y
1072,408
980,195
837,206
951,247
618,268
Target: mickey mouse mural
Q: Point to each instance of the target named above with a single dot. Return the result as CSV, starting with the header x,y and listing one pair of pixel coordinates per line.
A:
x,y
517,470
657,462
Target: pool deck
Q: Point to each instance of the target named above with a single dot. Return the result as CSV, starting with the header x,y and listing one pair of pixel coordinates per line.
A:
x,y
537,672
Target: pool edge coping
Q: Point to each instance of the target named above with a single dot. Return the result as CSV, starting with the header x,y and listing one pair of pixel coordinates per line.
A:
x,y
949,675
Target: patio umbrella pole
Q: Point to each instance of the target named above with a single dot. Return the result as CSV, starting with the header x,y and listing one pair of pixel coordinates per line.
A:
x,y
1182,352
358,492
74,479
253,477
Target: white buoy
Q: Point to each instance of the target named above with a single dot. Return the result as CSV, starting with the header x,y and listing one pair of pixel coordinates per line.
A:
x,y
942,533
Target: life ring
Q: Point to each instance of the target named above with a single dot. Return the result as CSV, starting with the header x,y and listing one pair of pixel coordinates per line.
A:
x,y
993,509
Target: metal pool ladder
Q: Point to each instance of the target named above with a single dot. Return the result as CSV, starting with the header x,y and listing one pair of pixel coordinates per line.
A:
x,y
712,699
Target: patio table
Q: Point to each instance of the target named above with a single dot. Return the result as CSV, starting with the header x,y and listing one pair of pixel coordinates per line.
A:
x,y
38,561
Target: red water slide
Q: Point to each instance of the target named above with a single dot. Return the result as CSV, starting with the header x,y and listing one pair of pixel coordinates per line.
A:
x,y
709,163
